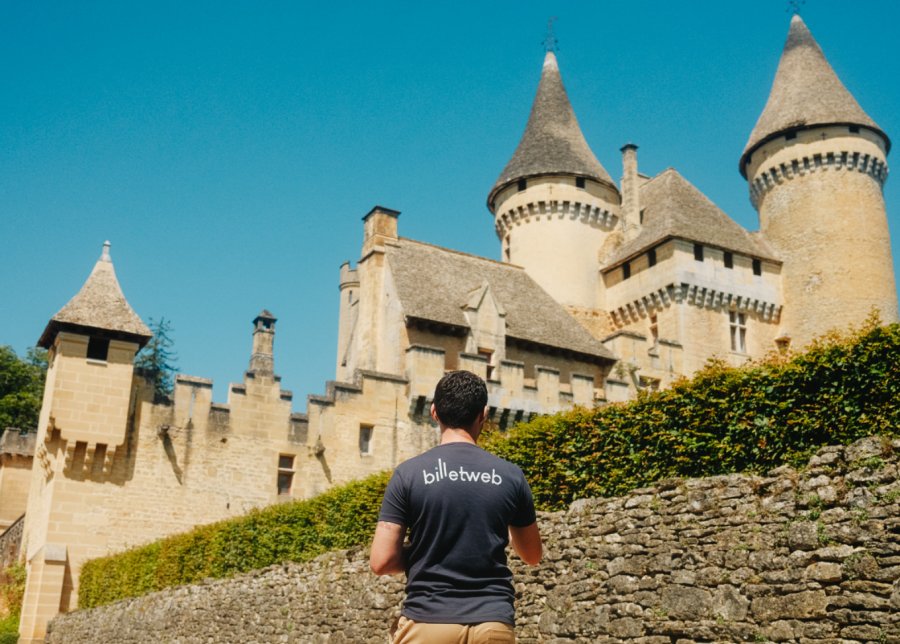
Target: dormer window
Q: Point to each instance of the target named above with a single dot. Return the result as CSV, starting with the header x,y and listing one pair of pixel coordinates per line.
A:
x,y
98,349
523,183
579,182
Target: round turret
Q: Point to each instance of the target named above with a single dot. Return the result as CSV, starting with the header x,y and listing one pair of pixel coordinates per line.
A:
x,y
554,204
816,165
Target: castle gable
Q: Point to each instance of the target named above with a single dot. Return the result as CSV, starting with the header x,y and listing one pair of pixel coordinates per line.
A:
x,y
674,207
433,283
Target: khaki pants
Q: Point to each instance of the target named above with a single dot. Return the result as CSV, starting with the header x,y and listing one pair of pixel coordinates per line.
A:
x,y
410,632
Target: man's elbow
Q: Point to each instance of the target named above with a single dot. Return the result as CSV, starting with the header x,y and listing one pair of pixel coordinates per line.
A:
x,y
533,557
380,565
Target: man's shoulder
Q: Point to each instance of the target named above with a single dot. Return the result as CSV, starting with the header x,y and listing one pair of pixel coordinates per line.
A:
x,y
459,452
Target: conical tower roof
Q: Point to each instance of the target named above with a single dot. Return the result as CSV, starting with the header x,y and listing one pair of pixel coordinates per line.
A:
x,y
99,305
552,142
806,93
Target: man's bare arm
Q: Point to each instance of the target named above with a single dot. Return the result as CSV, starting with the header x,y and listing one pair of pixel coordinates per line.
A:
x,y
526,541
387,557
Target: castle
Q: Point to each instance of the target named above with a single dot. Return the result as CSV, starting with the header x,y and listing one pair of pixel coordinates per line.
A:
x,y
604,289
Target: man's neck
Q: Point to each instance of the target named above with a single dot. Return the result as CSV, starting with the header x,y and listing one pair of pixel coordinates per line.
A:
x,y
454,435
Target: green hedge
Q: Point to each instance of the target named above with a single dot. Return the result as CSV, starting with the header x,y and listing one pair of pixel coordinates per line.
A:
x,y
297,531
723,420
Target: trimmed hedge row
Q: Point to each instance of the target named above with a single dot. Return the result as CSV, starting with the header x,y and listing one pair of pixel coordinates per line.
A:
x,y
723,420
296,531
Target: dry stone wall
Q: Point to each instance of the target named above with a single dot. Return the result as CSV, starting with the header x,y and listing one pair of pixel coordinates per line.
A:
x,y
810,557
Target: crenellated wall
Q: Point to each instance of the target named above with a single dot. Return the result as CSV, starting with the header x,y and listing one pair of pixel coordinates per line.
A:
x,y
810,556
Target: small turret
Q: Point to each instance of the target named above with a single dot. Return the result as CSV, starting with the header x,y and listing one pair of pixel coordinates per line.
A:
x,y
554,204
816,165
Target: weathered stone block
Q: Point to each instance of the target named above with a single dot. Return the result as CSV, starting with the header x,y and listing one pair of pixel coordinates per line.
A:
x,y
802,605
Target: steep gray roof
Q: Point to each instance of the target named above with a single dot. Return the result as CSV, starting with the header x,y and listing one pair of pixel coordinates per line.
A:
x,y
806,92
552,142
435,283
101,305
673,207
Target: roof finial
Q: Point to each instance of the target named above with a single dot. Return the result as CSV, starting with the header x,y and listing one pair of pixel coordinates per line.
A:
x,y
550,42
104,257
793,7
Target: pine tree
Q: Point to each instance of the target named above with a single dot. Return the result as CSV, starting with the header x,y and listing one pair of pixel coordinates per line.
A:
x,y
157,359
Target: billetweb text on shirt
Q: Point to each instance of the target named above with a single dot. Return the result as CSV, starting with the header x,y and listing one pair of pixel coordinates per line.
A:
x,y
442,471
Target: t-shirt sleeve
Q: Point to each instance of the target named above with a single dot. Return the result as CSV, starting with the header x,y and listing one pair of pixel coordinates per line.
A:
x,y
394,506
525,514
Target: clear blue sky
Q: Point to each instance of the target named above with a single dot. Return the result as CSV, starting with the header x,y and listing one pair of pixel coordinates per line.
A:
x,y
229,149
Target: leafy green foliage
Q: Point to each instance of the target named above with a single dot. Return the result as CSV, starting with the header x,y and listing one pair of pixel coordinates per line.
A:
x,y
343,517
157,359
21,388
723,420
12,591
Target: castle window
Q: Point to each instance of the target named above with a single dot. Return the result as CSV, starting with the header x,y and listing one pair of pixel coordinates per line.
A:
x,y
854,129
757,267
698,252
790,135
98,349
365,439
285,473
488,355
626,270
651,257
579,182
523,183
729,260
738,326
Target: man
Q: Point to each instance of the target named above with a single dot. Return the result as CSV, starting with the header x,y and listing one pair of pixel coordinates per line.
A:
x,y
462,506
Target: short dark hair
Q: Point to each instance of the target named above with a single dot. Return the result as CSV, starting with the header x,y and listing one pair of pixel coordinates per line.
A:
x,y
458,399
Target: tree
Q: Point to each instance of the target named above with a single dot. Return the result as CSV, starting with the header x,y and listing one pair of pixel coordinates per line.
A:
x,y
21,388
157,359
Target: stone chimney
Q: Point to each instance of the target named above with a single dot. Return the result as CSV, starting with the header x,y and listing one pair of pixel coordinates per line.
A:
x,y
379,227
631,206
262,360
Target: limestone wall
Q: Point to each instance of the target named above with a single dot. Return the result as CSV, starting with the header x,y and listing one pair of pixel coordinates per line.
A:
x,y
810,556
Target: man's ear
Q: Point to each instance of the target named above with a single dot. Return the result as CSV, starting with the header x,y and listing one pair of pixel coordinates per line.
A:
x,y
434,413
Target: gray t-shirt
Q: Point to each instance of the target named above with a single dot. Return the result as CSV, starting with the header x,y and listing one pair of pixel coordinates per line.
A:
x,y
458,501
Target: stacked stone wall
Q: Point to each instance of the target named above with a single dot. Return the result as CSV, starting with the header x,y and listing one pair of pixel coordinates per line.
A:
x,y
809,556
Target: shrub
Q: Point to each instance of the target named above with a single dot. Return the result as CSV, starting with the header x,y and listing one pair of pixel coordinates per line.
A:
x,y
12,590
722,420
343,517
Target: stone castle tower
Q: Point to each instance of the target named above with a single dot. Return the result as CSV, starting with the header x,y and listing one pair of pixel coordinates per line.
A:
x,y
815,163
552,195
88,402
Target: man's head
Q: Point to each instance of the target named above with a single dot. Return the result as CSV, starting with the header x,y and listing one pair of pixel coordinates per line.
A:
x,y
459,399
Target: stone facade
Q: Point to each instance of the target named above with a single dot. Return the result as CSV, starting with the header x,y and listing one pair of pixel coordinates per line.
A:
x,y
16,451
806,556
